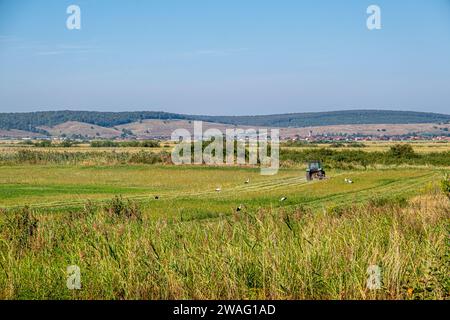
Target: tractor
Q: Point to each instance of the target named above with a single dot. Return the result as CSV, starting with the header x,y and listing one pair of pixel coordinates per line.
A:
x,y
315,170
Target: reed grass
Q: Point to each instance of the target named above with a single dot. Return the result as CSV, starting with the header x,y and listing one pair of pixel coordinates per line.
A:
x,y
278,253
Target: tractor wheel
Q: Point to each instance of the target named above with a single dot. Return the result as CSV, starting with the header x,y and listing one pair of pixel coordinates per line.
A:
x,y
308,176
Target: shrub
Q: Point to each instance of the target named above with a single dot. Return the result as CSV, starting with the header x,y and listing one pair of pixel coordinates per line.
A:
x,y
43,144
103,144
150,144
67,144
402,151
118,208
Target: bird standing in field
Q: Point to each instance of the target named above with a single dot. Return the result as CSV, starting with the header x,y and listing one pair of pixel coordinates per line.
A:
x,y
156,197
283,199
218,189
239,208
247,181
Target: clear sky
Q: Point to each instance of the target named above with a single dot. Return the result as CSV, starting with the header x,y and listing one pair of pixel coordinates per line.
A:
x,y
224,57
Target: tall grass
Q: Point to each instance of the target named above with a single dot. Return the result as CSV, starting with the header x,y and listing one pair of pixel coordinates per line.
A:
x,y
336,159
265,254
346,159
125,144
83,158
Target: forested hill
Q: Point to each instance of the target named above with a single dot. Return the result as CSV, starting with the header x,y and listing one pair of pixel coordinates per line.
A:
x,y
32,120
333,118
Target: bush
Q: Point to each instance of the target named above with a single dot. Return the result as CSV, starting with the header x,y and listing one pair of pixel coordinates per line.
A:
x,y
103,144
67,144
43,144
402,151
118,208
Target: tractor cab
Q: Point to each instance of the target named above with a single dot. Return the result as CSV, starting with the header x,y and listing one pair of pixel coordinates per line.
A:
x,y
315,170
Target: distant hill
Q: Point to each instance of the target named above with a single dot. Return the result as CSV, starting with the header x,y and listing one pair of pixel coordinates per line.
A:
x,y
73,128
36,121
31,121
299,120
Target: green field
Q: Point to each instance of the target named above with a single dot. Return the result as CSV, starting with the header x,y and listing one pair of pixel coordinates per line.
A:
x,y
192,190
193,242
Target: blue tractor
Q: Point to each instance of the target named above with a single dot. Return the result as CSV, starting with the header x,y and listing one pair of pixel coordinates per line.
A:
x,y
315,170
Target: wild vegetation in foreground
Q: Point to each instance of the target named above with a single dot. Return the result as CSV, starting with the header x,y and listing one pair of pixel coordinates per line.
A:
x,y
270,253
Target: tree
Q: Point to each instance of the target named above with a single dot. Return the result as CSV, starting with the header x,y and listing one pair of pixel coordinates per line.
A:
x,y
402,150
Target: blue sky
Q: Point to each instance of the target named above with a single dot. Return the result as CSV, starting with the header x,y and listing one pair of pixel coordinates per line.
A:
x,y
224,57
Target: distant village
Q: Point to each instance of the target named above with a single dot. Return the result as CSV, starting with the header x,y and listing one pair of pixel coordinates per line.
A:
x,y
310,138
343,137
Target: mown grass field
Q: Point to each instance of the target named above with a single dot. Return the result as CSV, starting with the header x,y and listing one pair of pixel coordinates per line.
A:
x,y
192,190
192,242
